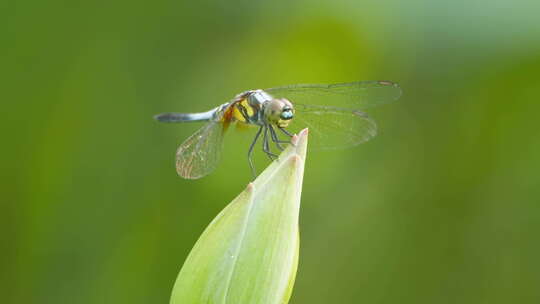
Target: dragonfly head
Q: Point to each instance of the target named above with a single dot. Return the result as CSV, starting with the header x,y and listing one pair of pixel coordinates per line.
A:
x,y
279,112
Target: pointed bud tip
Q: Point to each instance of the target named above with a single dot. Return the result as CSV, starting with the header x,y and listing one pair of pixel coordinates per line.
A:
x,y
302,135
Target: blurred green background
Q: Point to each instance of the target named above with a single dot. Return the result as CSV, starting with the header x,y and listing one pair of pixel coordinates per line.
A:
x,y
442,207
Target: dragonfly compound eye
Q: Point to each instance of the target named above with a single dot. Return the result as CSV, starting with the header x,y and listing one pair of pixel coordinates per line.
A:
x,y
287,114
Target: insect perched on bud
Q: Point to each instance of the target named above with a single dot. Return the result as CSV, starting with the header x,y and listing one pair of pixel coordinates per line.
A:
x,y
333,113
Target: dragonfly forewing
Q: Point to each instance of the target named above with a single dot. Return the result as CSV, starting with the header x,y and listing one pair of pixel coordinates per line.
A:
x,y
358,95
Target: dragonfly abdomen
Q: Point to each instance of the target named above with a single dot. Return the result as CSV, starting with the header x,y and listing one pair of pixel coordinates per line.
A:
x,y
185,117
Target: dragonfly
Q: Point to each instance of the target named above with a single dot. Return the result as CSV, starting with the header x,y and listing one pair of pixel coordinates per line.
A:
x,y
334,114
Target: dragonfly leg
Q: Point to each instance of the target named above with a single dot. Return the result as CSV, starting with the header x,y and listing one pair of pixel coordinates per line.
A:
x,y
276,139
286,132
266,146
250,152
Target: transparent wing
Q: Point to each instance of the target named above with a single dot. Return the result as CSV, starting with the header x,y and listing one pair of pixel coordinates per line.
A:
x,y
333,128
199,155
352,95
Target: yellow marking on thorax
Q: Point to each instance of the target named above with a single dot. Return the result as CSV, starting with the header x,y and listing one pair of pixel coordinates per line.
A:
x,y
238,115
